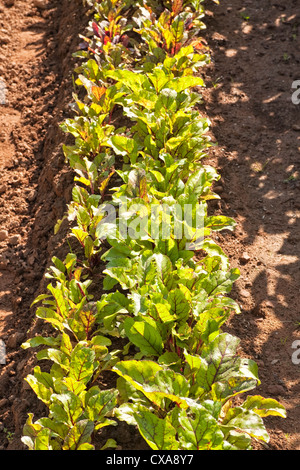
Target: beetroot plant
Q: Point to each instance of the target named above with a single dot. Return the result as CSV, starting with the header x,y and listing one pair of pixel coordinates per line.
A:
x,y
179,378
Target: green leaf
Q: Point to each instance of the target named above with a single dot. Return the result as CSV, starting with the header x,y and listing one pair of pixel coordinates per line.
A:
x,y
158,433
169,359
159,79
218,282
42,384
246,421
58,430
212,249
99,403
155,381
55,355
177,29
59,264
219,222
88,247
110,444
60,300
199,181
237,441
220,363
66,408
180,306
158,176
135,81
143,335
166,101
124,146
40,340
42,440
264,406
198,429
86,446
222,391
82,364
39,299
110,307
164,267
164,313
189,81
30,432
79,435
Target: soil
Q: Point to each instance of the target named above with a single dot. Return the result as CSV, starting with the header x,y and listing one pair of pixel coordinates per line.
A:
x,y
255,50
255,47
36,66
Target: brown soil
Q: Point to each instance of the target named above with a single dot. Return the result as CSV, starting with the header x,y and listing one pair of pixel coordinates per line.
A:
x,y
36,65
255,46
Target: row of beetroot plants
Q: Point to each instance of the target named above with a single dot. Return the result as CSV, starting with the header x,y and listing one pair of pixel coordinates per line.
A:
x,y
140,209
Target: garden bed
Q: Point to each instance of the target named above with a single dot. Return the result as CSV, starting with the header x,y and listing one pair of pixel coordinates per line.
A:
x,y
255,124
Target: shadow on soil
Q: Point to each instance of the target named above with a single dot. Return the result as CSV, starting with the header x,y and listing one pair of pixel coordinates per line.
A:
x,y
255,50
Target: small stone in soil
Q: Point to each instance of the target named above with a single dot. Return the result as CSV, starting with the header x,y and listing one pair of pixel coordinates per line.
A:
x,y
3,235
3,402
14,240
40,4
276,390
245,258
244,293
15,339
